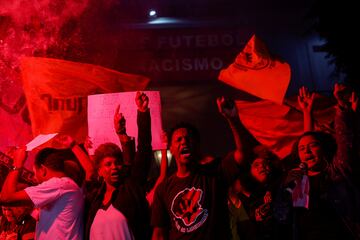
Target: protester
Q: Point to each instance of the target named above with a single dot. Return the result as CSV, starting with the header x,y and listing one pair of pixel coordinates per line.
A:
x,y
259,173
192,203
163,169
17,223
59,198
242,228
329,164
116,203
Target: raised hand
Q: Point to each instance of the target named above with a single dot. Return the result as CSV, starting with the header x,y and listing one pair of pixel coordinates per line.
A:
x,y
119,122
88,144
305,99
268,197
226,107
354,100
142,101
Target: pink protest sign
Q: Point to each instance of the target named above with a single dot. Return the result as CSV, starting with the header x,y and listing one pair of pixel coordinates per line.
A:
x,y
101,110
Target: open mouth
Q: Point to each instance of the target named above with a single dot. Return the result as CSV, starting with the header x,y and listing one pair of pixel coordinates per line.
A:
x,y
185,152
309,158
115,175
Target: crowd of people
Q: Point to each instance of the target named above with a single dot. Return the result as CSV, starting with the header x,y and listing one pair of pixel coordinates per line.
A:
x,y
248,194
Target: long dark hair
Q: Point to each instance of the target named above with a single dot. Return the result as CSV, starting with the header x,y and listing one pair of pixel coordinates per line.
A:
x,y
327,144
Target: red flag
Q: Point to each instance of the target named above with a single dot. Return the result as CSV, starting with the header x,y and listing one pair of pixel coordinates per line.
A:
x,y
278,126
15,125
257,72
56,92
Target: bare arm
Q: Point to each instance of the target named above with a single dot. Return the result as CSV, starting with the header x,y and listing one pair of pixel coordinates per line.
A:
x,y
163,166
84,159
164,159
9,193
305,100
228,109
163,169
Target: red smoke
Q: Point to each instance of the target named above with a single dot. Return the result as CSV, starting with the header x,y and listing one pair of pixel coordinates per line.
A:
x,y
64,29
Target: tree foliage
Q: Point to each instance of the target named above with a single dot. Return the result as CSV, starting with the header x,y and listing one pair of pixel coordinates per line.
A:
x,y
338,24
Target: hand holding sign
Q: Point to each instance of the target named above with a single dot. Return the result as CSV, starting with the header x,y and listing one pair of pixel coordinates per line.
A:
x,y
101,117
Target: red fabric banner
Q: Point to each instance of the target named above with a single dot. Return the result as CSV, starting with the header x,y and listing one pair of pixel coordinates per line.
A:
x,y
278,126
56,92
258,73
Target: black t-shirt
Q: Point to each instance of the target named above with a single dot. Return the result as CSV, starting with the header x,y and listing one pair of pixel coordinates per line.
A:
x,y
194,207
320,221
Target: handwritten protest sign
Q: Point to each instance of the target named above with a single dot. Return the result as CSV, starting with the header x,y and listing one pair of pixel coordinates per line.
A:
x,y
101,110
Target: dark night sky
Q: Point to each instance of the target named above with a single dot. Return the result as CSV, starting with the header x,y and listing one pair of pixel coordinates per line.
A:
x,y
91,37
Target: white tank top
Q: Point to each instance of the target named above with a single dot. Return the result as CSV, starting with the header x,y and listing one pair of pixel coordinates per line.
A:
x,y
110,224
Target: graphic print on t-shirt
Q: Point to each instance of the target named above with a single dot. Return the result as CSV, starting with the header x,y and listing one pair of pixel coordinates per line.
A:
x,y
187,210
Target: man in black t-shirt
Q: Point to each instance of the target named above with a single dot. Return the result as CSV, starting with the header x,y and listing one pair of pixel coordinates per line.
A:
x,y
192,203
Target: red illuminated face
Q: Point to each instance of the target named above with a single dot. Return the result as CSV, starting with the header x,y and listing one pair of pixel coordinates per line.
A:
x,y
183,146
309,150
260,170
13,213
110,170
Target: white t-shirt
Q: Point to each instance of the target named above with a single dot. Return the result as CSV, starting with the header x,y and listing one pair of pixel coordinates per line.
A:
x,y
110,224
61,204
